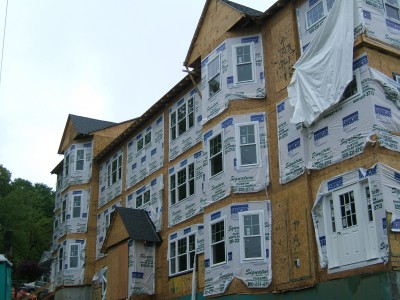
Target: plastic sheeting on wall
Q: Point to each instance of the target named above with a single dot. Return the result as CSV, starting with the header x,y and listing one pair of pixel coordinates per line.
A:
x,y
192,135
255,273
324,70
225,73
145,153
384,187
108,192
141,268
154,206
343,131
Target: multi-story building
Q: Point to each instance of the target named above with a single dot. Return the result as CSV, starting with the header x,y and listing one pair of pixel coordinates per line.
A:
x,y
271,170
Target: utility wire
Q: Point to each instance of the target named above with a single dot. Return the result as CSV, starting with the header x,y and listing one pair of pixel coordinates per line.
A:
x,y
4,37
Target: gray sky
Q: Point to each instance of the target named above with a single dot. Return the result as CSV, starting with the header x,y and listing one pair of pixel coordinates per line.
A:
x,y
109,60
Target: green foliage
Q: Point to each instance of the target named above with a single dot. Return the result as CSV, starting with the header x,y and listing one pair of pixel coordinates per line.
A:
x,y
26,211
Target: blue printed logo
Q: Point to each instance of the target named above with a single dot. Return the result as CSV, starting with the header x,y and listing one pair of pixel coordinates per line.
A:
x,y
321,134
293,145
281,107
235,209
335,183
383,111
350,119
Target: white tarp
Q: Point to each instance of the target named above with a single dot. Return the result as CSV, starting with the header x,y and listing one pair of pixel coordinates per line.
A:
x,y
109,192
324,70
230,89
154,206
235,178
141,268
342,131
255,273
145,153
384,186
192,136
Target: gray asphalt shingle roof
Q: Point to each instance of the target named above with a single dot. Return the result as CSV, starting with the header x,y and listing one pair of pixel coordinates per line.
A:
x,y
84,125
138,224
244,9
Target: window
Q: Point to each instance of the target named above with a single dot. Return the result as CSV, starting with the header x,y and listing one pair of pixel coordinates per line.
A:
x,y
182,254
182,119
318,11
392,8
396,77
60,258
244,63
73,256
66,165
109,217
56,221
218,247
215,155
143,141
248,144
251,226
353,88
181,184
76,207
80,159
114,170
63,211
214,76
142,198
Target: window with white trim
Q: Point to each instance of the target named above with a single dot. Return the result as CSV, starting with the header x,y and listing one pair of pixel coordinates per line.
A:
x,y
60,258
251,225
77,206
142,198
63,211
79,159
396,77
392,8
108,217
74,256
248,144
244,62
217,243
215,155
318,11
182,119
214,76
114,170
182,254
181,184
66,165
143,141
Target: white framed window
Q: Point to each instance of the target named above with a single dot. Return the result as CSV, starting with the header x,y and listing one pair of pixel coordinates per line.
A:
x,y
79,159
142,198
74,256
66,164
392,8
143,140
60,258
244,62
108,217
318,11
77,206
56,221
182,119
182,254
216,159
351,232
218,242
214,76
396,77
247,144
181,184
114,170
251,225
63,210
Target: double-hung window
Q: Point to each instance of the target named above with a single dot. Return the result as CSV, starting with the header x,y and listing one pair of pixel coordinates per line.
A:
x,y
66,165
77,206
80,159
181,184
63,211
60,258
109,216
244,62
251,224
142,198
247,144
143,141
392,8
318,11
218,244
182,119
216,155
182,254
214,76
114,170
73,256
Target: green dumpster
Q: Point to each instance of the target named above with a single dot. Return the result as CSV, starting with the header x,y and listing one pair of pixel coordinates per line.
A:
x,y
5,278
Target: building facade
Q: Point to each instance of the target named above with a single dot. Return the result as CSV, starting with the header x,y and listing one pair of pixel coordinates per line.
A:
x,y
271,170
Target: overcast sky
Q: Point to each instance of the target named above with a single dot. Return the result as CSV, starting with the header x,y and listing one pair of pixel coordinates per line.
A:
x,y
108,60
